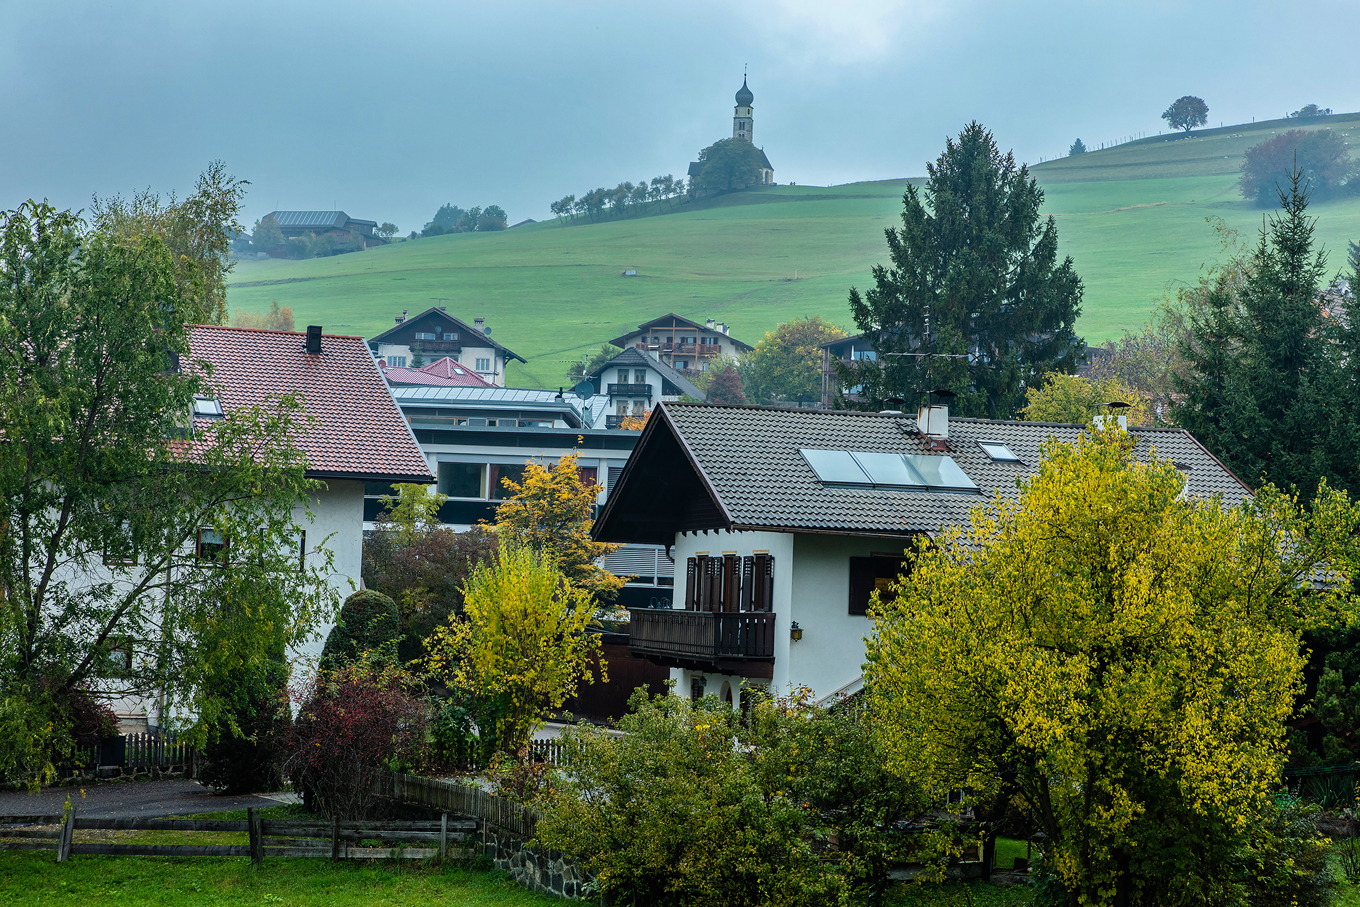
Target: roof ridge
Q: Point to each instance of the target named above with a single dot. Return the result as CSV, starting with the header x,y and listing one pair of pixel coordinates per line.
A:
x,y
232,327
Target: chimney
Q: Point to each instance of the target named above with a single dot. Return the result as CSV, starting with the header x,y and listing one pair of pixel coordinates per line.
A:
x,y
479,324
932,420
314,338
722,327
443,308
402,317
709,324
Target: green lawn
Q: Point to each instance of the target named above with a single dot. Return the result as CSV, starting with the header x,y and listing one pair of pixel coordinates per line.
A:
x,y
32,878
1133,218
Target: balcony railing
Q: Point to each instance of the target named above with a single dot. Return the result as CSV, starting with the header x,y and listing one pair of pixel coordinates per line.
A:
x,y
436,346
702,636
630,390
681,349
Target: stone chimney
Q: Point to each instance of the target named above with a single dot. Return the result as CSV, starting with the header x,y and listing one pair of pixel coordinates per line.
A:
x,y
479,324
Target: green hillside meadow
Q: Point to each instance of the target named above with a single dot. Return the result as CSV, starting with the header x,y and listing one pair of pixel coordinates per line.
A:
x,y
1134,218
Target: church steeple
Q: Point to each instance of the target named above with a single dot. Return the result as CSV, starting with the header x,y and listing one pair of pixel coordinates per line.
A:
x,y
743,124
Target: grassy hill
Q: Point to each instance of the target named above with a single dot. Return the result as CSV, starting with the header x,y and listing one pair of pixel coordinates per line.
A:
x,y
1132,217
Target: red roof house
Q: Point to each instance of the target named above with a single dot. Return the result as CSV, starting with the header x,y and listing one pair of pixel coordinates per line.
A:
x,y
445,372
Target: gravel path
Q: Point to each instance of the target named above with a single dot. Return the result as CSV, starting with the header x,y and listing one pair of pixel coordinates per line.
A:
x,y
128,799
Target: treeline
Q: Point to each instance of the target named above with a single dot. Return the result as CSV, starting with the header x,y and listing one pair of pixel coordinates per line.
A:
x,y
453,219
619,201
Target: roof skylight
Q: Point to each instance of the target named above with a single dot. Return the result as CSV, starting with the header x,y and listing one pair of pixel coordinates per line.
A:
x,y
878,469
998,452
207,408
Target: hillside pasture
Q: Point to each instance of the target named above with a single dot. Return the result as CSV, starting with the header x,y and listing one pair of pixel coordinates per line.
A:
x,y
1134,218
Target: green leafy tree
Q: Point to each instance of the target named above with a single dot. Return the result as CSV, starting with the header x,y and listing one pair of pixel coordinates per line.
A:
x,y
267,236
1268,391
1078,147
1322,155
974,275
1186,113
387,230
564,207
580,371
448,216
1310,112
412,510
1089,648
729,164
197,232
115,534
493,218
787,364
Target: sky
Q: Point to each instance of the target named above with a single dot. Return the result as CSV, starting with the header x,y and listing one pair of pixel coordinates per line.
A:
x,y
387,110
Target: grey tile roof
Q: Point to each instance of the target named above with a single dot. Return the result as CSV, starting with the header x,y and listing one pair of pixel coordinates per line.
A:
x,y
633,356
309,218
750,456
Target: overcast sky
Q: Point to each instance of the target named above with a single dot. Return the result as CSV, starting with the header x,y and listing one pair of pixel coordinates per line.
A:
x,y
388,109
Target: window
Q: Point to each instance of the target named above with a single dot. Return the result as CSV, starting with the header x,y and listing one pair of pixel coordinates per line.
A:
x,y
621,408
709,340
623,375
682,364
211,548
302,551
863,355
396,362
639,408
462,480
639,376
207,408
875,573
500,472
116,658
483,365
424,335
998,452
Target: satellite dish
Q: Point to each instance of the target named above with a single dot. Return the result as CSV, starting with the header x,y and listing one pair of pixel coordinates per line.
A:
x,y
585,390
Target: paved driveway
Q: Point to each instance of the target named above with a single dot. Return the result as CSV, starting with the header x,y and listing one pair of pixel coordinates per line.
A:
x,y
127,799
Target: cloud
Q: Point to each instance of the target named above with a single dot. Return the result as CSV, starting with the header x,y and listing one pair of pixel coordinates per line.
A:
x,y
845,32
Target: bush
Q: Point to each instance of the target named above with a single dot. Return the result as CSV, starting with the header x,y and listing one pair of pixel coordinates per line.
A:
x,y
354,722
368,623
245,752
1321,154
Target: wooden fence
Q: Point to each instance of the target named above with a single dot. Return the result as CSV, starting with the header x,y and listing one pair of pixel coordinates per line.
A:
x,y
459,799
550,751
274,838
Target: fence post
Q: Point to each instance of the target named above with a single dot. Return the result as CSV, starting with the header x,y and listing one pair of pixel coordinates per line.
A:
x,y
443,836
256,844
68,827
335,840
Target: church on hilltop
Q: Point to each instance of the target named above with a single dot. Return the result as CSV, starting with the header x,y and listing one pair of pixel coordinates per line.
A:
x,y
743,127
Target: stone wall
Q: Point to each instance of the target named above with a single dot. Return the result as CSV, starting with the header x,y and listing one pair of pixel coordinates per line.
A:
x,y
545,871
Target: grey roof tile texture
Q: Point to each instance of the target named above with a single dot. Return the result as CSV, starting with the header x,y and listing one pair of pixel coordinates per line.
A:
x,y
751,457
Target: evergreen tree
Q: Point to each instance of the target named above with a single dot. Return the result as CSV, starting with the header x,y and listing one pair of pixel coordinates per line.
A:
x,y
1078,147
1268,391
974,275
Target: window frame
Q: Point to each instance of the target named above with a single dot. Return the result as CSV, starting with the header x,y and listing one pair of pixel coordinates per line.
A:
x,y
202,561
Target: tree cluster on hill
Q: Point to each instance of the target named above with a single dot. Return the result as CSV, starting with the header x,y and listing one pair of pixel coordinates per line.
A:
x,y
453,219
624,198
1309,112
278,318
729,164
975,299
266,237
1321,154
1186,113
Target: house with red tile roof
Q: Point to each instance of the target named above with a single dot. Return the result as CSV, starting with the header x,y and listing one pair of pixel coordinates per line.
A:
x,y
445,372
355,435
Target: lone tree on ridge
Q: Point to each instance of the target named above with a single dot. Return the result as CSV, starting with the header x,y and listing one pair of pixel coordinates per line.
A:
x,y
1187,113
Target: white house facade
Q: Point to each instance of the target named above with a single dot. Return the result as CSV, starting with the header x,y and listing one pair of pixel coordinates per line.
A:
x,y
682,344
434,334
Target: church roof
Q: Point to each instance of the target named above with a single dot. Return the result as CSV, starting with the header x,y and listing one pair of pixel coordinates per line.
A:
x,y
744,96
765,161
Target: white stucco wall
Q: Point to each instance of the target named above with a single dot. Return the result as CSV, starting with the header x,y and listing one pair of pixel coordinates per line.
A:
x,y
812,587
337,522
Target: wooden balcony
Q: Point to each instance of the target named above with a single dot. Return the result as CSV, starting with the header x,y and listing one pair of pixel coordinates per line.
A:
x,y
739,642
630,390
680,349
436,346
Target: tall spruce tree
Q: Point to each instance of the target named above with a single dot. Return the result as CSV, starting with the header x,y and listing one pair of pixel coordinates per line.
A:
x,y
973,275
1272,378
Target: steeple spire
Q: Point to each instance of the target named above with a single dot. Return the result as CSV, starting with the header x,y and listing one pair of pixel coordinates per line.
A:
x,y
743,124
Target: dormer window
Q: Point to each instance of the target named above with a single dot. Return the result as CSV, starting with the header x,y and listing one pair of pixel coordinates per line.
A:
x,y
206,408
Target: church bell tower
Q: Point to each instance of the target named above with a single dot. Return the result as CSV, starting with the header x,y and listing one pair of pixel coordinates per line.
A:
x,y
743,125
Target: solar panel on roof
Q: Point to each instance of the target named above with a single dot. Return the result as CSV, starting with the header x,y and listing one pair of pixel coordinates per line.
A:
x,y
879,469
888,469
835,467
941,473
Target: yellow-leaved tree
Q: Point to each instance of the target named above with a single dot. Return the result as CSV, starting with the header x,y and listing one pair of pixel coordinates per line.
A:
x,y
521,647
1078,400
1119,658
551,510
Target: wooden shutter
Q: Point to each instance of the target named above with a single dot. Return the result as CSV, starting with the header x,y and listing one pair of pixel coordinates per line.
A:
x,y
747,586
764,581
731,582
692,584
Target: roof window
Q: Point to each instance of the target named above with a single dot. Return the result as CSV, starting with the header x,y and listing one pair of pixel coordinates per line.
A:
x,y
998,452
879,469
206,408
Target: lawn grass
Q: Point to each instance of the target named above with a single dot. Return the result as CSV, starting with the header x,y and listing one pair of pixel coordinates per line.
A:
x,y
32,878
1133,218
